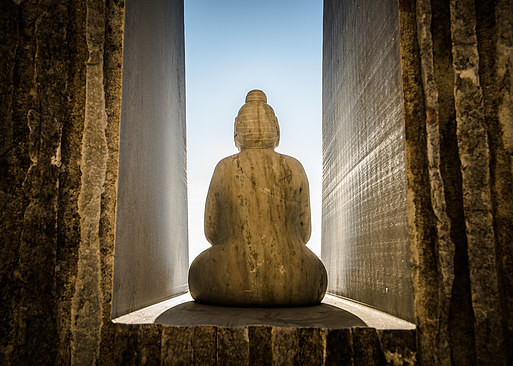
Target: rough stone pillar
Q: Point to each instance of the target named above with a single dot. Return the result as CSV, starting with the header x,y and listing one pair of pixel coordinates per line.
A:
x,y
61,78
457,62
47,48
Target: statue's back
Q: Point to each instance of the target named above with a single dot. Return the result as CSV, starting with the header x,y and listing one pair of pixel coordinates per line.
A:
x,y
257,217
263,195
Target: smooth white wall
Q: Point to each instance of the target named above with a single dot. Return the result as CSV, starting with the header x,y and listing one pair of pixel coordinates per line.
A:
x,y
151,255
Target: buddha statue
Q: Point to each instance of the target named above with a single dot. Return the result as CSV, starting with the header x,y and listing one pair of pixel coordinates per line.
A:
x,y
257,218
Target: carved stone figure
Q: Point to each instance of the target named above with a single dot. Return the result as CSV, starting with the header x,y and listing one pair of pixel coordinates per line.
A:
x,y
257,218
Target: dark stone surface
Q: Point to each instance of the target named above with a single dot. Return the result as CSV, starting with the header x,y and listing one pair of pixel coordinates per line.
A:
x,y
398,346
43,55
260,345
232,346
319,316
455,142
311,343
339,347
189,345
366,347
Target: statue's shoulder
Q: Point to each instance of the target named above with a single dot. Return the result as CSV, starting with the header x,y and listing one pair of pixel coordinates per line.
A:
x,y
227,162
291,161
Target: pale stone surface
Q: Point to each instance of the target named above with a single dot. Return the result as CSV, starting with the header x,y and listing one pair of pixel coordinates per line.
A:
x,y
257,217
364,211
151,259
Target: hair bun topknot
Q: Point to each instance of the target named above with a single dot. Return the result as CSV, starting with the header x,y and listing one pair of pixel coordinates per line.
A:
x,y
257,96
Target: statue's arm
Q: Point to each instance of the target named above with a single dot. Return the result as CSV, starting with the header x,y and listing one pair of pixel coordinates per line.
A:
x,y
305,220
212,224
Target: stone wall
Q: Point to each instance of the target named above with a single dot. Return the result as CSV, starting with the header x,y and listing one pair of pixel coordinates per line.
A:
x,y
54,165
60,112
61,93
151,260
457,63
258,345
364,220
60,130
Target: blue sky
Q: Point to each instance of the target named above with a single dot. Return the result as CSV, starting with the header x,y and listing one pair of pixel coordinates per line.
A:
x,y
232,47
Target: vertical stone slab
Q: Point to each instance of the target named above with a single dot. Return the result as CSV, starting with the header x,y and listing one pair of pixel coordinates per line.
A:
x,y
204,345
398,346
134,345
151,259
451,82
189,345
311,346
232,346
477,201
149,344
446,246
13,162
339,347
364,229
86,306
366,347
260,345
501,142
124,342
37,86
285,345
177,345
113,61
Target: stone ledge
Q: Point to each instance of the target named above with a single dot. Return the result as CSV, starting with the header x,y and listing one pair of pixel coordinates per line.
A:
x,y
371,317
261,344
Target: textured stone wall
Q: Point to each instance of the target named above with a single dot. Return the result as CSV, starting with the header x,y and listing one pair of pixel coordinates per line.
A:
x,y
61,88
60,108
457,63
151,260
364,227
60,115
209,345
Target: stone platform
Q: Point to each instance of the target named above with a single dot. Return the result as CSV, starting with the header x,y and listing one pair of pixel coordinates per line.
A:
x,y
337,332
333,313
319,316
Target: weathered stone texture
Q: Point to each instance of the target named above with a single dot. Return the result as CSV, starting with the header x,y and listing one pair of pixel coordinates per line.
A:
x,y
461,224
456,61
112,60
189,345
259,345
232,346
41,58
86,309
55,161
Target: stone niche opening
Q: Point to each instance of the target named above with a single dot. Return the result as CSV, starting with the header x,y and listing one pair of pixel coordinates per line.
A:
x,y
364,227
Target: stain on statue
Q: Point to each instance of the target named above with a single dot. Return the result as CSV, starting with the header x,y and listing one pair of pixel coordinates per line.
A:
x,y
257,218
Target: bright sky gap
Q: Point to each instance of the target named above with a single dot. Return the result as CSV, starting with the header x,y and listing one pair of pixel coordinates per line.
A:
x,y
232,47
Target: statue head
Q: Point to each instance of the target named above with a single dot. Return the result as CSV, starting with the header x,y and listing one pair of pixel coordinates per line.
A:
x,y
256,125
